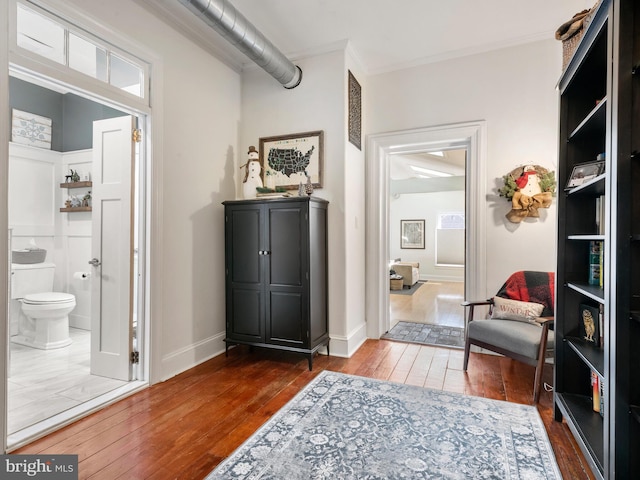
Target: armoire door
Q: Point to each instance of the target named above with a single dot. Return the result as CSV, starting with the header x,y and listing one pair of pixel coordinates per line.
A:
x,y
245,273
287,246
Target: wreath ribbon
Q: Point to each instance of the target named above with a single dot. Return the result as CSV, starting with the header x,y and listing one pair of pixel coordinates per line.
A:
x,y
523,206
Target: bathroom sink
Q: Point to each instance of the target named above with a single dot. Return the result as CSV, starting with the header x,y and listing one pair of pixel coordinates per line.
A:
x,y
28,256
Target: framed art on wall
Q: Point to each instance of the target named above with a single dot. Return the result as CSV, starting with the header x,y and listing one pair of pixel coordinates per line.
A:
x,y
355,112
411,233
287,160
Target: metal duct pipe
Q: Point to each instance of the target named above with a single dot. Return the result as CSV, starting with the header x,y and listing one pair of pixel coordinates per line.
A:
x,y
232,25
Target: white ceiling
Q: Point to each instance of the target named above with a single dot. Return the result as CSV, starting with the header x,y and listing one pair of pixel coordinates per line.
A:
x,y
384,35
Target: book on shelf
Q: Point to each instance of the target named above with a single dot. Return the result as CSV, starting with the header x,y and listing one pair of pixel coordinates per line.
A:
x,y
590,324
601,396
595,262
600,215
595,391
601,323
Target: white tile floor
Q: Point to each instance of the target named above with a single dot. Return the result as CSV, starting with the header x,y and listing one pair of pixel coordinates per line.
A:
x,y
44,383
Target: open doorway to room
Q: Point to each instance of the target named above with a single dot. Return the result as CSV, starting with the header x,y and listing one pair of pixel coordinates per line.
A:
x,y
78,194
78,202
469,137
427,247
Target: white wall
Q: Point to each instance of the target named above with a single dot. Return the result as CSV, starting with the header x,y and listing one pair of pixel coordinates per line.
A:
x,y
319,103
427,207
513,89
35,198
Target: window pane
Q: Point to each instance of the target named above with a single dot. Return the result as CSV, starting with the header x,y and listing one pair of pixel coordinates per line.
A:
x,y
40,35
126,76
87,58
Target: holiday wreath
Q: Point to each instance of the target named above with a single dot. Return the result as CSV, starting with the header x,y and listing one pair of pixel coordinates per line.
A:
x,y
529,188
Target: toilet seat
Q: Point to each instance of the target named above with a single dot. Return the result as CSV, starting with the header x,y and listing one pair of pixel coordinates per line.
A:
x,y
48,298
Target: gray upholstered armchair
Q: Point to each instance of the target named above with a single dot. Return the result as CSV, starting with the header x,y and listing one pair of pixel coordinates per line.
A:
x,y
518,324
409,270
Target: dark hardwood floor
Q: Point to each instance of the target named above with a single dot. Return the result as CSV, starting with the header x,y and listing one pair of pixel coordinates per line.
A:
x,y
184,427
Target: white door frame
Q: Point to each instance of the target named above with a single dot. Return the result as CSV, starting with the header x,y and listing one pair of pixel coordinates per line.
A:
x,y
470,136
151,223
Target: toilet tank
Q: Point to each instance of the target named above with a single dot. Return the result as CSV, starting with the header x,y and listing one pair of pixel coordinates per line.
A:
x,y
31,278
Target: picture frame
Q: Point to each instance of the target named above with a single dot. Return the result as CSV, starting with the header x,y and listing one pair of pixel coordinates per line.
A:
x,y
412,234
583,172
355,111
287,159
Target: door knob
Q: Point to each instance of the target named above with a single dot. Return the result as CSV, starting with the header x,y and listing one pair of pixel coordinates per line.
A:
x,y
95,262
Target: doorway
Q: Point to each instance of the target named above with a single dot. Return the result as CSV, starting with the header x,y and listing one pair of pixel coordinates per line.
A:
x,y
90,226
427,191
470,137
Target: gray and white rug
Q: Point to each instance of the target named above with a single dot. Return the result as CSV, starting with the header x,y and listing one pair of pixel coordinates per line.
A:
x,y
426,334
347,427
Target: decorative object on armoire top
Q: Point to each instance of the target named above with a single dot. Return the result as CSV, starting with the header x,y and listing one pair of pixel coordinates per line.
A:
x,y
290,156
529,188
252,179
301,191
308,187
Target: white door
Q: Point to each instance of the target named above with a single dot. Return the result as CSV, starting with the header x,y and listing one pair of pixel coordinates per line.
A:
x,y
112,247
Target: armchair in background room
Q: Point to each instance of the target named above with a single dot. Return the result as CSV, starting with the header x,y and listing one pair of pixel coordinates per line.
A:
x,y
409,270
518,324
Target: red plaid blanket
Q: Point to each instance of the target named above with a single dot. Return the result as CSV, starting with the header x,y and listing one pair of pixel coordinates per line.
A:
x,y
528,286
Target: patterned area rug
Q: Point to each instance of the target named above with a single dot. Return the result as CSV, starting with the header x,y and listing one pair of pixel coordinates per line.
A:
x,y
426,334
409,290
347,427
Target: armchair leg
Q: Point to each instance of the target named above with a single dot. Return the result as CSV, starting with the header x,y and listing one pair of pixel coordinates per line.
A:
x,y
467,347
537,382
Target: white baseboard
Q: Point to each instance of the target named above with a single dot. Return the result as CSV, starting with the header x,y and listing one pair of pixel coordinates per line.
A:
x,y
346,346
188,357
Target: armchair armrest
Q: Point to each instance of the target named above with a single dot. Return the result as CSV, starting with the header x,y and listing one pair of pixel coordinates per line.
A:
x,y
472,305
542,321
476,303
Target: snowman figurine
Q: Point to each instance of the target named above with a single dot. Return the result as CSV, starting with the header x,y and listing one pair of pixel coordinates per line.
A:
x,y
529,182
252,178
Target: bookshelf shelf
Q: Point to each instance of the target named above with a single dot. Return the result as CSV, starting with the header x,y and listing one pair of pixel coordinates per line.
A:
x,y
594,292
586,237
590,355
585,424
595,186
594,121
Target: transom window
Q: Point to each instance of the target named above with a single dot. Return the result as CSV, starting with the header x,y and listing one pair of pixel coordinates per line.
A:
x,y
52,39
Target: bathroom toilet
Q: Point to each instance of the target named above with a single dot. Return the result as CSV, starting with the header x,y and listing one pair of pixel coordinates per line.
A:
x,y
44,315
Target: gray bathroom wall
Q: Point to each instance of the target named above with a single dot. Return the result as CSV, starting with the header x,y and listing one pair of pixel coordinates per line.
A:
x,y
72,116
78,115
34,99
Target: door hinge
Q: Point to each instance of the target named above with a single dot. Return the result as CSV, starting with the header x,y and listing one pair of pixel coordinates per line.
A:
x,y
135,357
136,135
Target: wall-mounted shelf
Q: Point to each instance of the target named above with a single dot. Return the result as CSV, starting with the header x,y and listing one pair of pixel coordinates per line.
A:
x,y
75,209
76,184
